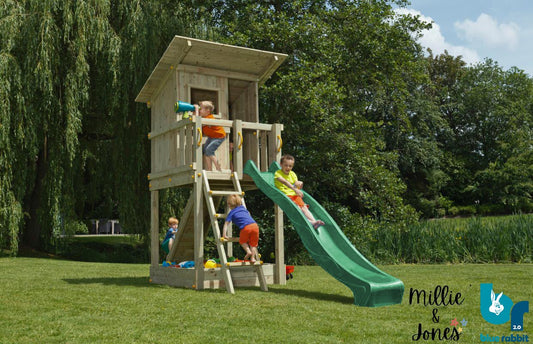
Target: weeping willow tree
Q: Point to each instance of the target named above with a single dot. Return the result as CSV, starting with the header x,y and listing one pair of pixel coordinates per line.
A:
x,y
72,140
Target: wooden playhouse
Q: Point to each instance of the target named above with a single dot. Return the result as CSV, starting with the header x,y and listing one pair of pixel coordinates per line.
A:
x,y
192,70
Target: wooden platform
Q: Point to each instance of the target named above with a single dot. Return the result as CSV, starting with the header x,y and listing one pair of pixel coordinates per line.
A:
x,y
242,276
185,177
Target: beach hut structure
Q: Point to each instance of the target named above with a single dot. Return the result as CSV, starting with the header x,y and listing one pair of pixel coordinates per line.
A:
x,y
192,70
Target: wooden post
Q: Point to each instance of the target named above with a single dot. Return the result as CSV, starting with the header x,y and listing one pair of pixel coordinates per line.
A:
x,y
237,146
263,163
154,227
279,269
275,143
274,149
252,143
182,160
229,245
198,208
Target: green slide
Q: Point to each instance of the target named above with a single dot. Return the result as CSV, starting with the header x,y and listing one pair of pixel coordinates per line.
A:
x,y
330,248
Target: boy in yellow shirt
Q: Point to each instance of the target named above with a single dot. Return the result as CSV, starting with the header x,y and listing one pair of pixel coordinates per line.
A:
x,y
286,180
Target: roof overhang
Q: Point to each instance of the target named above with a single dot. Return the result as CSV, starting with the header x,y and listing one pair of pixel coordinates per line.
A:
x,y
259,64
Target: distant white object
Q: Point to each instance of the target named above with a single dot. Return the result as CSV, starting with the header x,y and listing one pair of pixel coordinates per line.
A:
x,y
104,226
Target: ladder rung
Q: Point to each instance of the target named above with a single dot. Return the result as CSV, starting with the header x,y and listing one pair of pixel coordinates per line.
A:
x,y
220,216
229,239
244,263
225,193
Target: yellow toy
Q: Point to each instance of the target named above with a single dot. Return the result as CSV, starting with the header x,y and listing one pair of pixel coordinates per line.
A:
x,y
210,264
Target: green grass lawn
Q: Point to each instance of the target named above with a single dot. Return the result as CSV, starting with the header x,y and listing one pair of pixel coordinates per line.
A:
x,y
58,301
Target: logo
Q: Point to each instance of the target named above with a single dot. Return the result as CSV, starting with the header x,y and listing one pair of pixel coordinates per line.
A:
x,y
499,309
441,296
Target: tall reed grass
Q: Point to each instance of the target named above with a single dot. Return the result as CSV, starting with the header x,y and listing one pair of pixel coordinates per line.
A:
x,y
461,240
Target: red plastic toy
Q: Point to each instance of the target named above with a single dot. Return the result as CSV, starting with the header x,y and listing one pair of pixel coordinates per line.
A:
x,y
289,269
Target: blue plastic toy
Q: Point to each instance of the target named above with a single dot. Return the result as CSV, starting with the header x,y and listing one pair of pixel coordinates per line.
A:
x,y
187,264
180,106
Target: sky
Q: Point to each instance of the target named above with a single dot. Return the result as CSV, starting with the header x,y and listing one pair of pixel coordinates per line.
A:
x,y
501,30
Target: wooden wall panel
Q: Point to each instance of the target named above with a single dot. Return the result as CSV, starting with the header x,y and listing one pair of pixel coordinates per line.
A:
x,y
162,116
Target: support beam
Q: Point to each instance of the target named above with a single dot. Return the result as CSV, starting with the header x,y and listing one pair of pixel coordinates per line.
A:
x,y
279,269
275,144
198,209
238,141
154,227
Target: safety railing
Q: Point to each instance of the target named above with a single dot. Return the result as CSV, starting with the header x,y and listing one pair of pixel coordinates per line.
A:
x,y
176,151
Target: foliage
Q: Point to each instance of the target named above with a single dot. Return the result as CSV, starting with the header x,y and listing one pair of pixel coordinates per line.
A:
x,y
337,95
73,140
461,240
13,131
118,249
382,133
75,227
487,139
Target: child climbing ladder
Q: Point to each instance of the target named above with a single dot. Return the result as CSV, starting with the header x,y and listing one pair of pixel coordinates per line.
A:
x,y
257,265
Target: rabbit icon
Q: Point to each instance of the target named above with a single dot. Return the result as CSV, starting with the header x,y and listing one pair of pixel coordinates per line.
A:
x,y
501,308
496,307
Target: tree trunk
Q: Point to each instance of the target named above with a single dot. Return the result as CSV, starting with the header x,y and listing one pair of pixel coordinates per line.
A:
x,y
32,232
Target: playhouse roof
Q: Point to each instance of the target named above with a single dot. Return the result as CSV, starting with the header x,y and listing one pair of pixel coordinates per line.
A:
x,y
251,64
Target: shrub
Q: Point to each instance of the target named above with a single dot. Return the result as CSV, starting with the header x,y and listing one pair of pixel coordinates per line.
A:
x,y
468,240
467,210
491,209
104,249
75,227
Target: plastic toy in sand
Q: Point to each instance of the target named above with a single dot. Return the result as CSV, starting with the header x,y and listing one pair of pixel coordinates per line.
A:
x,y
186,264
211,264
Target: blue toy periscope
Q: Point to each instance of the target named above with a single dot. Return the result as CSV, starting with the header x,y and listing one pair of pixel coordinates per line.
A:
x,y
180,106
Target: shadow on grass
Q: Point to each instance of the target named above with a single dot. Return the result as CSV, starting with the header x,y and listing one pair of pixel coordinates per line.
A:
x,y
129,281
313,295
144,282
120,281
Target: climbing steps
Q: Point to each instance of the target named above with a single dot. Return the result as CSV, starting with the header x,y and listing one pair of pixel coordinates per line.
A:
x,y
211,204
183,247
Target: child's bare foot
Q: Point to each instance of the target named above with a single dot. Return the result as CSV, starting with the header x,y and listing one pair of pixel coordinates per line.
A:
x,y
247,256
318,223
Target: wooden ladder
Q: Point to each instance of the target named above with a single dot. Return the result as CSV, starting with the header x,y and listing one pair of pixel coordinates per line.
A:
x,y
214,216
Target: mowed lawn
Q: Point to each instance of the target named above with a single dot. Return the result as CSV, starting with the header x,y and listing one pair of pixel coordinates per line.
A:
x,y
59,301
